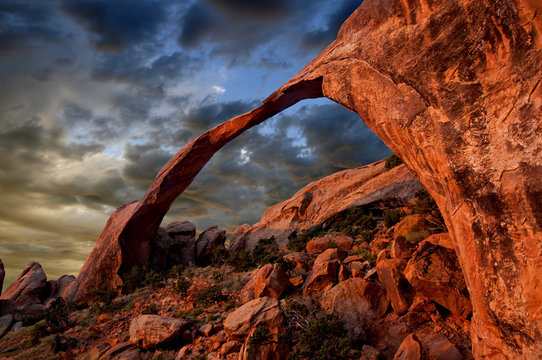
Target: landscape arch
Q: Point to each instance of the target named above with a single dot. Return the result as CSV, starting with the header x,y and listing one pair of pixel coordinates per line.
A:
x,y
452,87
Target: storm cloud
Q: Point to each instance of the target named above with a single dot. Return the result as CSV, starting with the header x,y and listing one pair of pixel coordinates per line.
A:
x,y
98,95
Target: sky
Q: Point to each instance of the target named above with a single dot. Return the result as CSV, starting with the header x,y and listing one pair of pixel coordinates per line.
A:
x,y
97,95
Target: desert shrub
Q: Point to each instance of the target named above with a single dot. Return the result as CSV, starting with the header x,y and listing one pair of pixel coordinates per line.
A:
x,y
39,330
355,222
219,256
323,339
297,240
393,161
62,343
424,202
153,279
181,286
57,319
104,294
367,256
176,271
134,279
391,217
266,251
262,336
416,236
190,315
241,260
150,309
209,295
231,304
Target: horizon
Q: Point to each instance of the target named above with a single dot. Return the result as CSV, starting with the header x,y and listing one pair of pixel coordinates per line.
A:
x,y
98,96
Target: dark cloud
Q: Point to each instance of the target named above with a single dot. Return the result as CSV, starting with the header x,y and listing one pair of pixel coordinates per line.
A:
x,y
117,24
25,24
322,37
260,9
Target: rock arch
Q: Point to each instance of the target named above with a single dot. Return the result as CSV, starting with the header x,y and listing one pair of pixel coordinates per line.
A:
x,y
453,88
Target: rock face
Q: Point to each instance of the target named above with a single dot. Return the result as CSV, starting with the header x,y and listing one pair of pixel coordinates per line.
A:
x,y
242,320
434,273
150,331
322,199
271,281
357,303
208,241
399,290
321,244
453,88
28,288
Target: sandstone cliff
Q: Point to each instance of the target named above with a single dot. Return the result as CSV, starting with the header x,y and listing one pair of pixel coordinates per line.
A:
x,y
327,197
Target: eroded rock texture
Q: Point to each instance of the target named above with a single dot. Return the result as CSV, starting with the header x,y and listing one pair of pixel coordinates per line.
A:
x,y
452,87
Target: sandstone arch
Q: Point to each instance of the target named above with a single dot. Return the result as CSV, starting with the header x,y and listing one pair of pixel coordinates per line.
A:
x,y
453,88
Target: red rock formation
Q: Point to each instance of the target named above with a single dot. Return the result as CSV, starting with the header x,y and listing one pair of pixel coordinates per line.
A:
x,y
29,286
453,88
324,198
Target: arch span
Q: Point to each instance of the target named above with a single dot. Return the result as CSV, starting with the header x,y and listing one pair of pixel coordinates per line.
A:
x,y
453,88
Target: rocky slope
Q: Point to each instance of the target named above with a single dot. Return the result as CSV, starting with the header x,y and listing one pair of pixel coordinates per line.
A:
x,y
453,88
371,283
323,199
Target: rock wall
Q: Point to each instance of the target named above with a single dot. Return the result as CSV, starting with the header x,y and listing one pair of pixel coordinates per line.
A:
x,y
327,197
452,87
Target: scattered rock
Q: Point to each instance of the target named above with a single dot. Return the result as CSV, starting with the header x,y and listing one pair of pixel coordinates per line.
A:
x,y
410,349
122,351
320,244
271,281
434,272
206,329
242,320
383,255
329,255
208,241
402,249
230,346
399,290
29,286
323,277
5,323
357,303
377,245
442,239
150,331
357,268
344,273
301,260
440,348
410,223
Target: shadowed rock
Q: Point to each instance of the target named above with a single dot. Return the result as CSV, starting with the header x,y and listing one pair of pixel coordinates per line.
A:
x,y
2,275
453,88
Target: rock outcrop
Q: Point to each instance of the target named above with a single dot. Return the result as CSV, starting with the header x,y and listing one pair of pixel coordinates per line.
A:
x,y
208,241
2,275
327,197
150,331
453,88
28,288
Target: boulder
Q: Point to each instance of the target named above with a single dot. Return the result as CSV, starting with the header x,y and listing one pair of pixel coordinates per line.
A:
x,y
377,245
410,223
63,283
5,324
32,313
402,249
2,275
358,268
122,351
330,255
438,347
208,241
322,277
320,244
434,272
301,260
409,349
271,281
180,228
399,290
442,239
28,288
173,248
266,311
357,303
7,307
150,331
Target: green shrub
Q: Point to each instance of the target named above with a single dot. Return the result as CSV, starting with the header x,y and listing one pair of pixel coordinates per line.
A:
x,y
367,256
391,217
231,304
424,202
150,309
181,285
355,222
134,279
219,256
190,315
322,339
262,336
209,295
297,241
266,251
241,260
176,271
393,161
38,331
104,294
416,236
57,319
153,279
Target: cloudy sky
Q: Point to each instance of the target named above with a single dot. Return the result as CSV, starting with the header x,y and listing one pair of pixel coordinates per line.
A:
x,y
97,95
